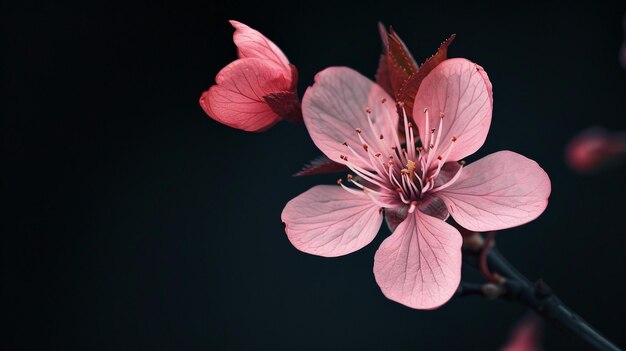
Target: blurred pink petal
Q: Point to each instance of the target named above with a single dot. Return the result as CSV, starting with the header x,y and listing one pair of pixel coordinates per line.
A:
x,y
595,148
460,90
499,191
419,265
336,107
526,335
255,91
354,122
329,221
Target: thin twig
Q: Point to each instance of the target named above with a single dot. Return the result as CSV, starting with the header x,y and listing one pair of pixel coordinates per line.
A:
x,y
538,296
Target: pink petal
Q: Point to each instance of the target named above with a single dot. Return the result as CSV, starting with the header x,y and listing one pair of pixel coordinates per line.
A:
x,y
335,106
237,99
499,191
328,221
419,265
253,44
462,91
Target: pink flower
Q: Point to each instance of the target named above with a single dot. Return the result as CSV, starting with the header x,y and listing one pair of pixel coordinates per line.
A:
x,y
595,148
257,90
353,121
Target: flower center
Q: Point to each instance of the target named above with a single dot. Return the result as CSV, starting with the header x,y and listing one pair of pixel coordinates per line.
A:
x,y
395,174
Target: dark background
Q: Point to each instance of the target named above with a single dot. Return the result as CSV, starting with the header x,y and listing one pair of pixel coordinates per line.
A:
x,y
133,221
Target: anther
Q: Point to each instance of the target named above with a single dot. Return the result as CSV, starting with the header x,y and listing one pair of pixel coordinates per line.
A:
x,y
383,100
398,190
432,131
410,125
454,138
377,154
365,147
349,176
431,146
441,114
368,110
343,157
439,157
462,162
339,181
345,143
425,109
359,130
401,103
381,137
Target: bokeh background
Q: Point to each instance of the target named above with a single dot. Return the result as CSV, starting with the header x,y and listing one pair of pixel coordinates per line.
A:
x,y
133,221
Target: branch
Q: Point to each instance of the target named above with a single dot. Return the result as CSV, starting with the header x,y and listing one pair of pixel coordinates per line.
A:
x,y
538,296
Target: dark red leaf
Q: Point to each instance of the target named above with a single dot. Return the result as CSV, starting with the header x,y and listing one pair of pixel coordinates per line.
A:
x,y
406,94
396,63
321,165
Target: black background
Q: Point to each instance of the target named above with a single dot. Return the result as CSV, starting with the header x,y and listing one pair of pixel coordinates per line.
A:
x,y
133,221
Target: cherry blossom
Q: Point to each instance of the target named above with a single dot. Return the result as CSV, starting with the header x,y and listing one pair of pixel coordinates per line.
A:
x,y
414,185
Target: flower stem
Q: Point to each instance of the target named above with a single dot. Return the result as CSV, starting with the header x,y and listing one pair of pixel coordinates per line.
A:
x,y
539,297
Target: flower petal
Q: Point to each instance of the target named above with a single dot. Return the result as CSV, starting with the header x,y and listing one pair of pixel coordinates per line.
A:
x,y
499,191
462,91
419,265
335,106
326,220
251,43
237,99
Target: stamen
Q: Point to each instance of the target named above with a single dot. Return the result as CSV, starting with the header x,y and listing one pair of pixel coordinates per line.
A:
x,y
375,131
392,178
367,175
427,137
403,198
408,131
375,200
451,181
445,157
433,151
351,191
393,131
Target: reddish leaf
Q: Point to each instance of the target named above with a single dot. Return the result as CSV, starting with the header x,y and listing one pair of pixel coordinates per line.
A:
x,y
406,94
321,165
396,63
398,73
